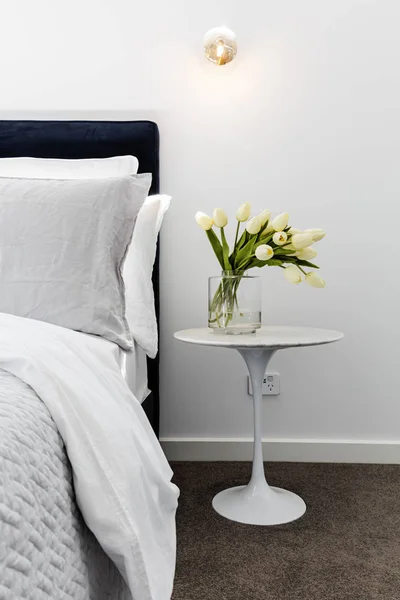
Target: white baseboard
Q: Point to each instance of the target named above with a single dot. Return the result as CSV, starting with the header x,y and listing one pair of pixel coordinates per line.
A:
x,y
285,450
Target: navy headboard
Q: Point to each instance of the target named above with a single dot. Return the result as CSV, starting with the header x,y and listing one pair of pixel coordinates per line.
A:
x,y
94,139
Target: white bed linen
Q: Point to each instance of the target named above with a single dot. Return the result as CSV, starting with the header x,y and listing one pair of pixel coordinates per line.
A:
x,y
59,168
133,366
137,273
121,476
134,370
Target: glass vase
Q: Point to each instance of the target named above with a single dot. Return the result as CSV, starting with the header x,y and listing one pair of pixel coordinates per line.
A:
x,y
234,303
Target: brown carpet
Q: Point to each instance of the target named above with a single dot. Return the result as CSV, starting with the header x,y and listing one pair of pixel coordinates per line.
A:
x,y
346,546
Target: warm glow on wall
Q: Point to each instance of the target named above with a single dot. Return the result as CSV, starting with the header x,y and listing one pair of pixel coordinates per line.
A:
x,y
220,45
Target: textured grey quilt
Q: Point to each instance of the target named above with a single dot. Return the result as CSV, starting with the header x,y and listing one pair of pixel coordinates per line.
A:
x,y
46,550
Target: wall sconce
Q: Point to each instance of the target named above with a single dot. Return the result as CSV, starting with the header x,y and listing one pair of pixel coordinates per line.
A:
x,y
220,45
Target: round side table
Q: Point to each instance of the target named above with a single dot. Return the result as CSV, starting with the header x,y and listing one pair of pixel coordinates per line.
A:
x,y
257,503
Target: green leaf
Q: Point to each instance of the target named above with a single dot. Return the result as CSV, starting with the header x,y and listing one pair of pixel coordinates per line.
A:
x,y
266,239
272,262
256,263
233,255
260,243
242,240
296,261
225,251
282,251
216,246
306,263
245,252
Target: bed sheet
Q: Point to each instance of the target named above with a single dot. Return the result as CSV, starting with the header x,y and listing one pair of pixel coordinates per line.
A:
x,y
133,366
121,478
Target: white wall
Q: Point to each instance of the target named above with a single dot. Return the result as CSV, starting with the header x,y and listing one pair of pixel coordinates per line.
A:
x,y
305,120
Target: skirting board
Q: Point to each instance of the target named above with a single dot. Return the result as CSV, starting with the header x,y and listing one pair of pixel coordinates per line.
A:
x,y
283,450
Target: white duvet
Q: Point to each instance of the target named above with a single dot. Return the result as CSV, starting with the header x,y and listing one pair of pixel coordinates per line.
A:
x,y
121,476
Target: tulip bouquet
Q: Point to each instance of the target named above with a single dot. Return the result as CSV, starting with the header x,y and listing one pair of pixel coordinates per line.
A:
x,y
264,242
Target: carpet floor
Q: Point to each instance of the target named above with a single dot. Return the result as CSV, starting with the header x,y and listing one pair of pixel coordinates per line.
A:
x,y
345,547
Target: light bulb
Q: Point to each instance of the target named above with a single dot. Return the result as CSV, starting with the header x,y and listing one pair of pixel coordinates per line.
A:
x,y
220,50
220,45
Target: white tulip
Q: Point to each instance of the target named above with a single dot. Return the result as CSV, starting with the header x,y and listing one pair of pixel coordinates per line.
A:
x,y
254,225
293,274
204,221
315,280
307,253
220,217
264,252
269,229
318,234
293,230
264,216
280,222
302,240
243,212
279,238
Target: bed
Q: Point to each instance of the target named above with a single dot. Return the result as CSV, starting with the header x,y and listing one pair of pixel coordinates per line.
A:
x,y
94,139
68,435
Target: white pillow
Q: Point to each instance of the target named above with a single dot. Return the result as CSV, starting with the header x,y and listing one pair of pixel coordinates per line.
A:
x,y
140,309
139,293
57,168
62,247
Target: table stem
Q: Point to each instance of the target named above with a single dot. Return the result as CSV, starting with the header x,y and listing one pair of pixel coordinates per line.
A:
x,y
257,360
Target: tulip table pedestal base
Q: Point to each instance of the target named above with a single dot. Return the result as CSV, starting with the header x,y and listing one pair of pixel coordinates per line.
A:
x,y
272,506
258,503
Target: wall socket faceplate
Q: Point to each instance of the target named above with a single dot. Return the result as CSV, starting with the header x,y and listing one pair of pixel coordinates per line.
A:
x,y
271,385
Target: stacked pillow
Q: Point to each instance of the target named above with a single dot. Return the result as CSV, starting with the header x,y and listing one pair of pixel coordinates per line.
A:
x,y
65,230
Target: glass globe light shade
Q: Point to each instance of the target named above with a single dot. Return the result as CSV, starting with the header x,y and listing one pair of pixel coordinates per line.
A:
x,y
220,45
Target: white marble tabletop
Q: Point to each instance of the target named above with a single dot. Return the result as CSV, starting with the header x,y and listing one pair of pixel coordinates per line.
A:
x,y
275,336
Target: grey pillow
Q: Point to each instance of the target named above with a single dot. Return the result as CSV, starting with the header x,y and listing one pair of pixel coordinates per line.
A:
x,y
62,247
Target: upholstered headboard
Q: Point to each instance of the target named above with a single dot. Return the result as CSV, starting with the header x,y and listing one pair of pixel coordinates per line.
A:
x,y
94,139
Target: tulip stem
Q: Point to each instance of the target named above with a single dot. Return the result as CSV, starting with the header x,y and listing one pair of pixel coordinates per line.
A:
x,y
236,236
224,302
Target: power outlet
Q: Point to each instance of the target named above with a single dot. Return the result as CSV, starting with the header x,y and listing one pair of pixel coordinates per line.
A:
x,y
271,385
